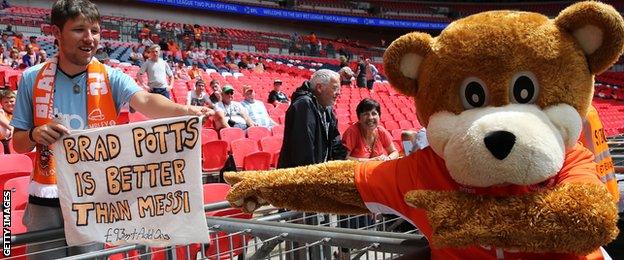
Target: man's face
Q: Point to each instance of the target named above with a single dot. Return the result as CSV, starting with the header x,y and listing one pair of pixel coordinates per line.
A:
x,y
78,40
8,104
154,54
277,86
200,87
250,95
215,86
329,95
227,97
5,37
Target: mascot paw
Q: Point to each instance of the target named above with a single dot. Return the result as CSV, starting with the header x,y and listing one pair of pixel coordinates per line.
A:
x,y
245,192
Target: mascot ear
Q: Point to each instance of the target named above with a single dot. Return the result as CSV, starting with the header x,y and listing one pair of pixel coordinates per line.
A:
x,y
599,30
402,61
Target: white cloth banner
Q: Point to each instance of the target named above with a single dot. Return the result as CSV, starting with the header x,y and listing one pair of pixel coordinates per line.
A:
x,y
136,183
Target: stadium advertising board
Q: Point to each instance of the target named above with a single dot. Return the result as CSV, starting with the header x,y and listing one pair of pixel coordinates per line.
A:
x,y
298,15
136,183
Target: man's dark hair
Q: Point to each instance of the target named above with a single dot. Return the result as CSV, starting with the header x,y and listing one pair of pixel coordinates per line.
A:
x,y
64,10
366,105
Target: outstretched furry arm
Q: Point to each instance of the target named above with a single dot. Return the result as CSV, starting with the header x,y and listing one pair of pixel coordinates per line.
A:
x,y
327,187
571,218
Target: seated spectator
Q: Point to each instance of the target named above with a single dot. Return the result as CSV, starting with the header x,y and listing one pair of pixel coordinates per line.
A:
x,y
13,60
235,114
276,95
33,44
18,42
43,56
6,42
366,140
101,55
195,72
180,71
107,48
256,109
7,103
346,73
136,57
199,97
215,97
31,58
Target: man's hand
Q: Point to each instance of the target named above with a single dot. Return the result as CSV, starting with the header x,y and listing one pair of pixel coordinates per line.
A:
x,y
48,133
199,111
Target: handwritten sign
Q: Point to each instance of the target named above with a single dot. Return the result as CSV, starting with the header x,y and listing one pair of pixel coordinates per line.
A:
x,y
136,183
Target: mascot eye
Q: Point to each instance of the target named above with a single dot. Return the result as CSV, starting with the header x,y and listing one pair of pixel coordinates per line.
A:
x,y
473,93
524,88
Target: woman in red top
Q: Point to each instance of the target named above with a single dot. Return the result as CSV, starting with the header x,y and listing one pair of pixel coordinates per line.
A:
x,y
367,140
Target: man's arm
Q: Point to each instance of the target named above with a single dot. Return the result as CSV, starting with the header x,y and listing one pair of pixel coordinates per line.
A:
x,y
171,76
171,81
139,76
245,116
43,134
158,106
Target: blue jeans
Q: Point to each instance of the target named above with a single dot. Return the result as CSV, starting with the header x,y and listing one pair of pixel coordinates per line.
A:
x,y
161,91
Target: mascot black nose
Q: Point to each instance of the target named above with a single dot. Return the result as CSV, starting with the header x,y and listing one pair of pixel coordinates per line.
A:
x,y
500,143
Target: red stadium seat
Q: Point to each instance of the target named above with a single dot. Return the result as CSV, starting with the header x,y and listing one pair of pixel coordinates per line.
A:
x,y
258,132
214,155
232,133
209,134
257,161
19,191
241,148
271,144
278,130
14,165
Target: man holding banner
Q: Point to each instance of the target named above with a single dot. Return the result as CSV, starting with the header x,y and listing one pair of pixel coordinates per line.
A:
x,y
73,91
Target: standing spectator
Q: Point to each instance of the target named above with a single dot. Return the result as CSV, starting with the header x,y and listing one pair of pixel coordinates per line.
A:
x,y
68,84
311,132
256,109
197,35
360,80
276,95
311,129
235,114
371,72
367,140
7,104
159,75
346,73
215,96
